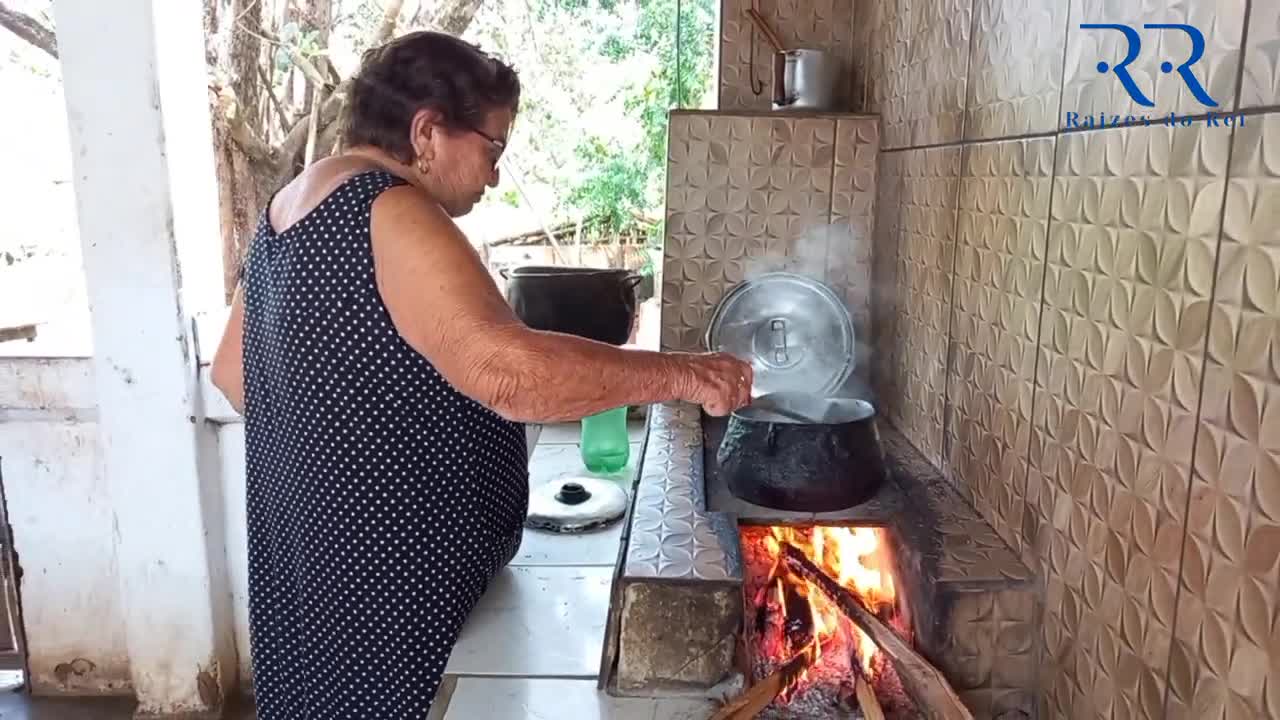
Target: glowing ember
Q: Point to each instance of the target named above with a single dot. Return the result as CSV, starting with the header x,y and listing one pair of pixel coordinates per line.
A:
x,y
789,616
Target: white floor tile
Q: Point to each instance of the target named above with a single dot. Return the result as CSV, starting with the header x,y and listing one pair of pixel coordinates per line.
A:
x,y
546,621
549,699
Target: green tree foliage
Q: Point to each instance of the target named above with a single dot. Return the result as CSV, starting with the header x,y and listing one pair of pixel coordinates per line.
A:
x,y
625,179
600,77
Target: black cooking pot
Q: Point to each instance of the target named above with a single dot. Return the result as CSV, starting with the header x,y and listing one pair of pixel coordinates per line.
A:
x,y
594,303
803,453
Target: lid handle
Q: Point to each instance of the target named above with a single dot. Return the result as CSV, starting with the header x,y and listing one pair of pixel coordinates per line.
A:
x,y
779,331
572,493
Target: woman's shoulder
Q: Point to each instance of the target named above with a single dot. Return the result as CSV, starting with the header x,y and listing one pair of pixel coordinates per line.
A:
x,y
320,182
409,212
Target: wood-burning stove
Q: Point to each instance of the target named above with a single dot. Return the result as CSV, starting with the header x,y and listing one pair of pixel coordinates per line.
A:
x,y
685,606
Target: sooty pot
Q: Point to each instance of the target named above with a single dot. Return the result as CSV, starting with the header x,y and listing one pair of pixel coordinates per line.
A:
x,y
803,453
594,303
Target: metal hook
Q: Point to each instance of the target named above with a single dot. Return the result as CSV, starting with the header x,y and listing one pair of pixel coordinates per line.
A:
x,y
757,85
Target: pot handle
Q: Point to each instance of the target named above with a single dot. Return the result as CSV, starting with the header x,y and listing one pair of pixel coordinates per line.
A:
x,y
771,439
631,281
503,272
780,97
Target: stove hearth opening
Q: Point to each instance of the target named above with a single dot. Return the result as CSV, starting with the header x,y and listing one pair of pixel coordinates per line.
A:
x,y
803,655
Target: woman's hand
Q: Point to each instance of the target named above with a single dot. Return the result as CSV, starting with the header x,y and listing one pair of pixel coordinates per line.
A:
x,y
721,383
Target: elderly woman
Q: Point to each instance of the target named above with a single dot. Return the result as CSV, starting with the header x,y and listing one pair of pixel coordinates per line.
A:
x,y
384,382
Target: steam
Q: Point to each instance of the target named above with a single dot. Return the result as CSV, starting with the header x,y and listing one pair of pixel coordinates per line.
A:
x,y
829,253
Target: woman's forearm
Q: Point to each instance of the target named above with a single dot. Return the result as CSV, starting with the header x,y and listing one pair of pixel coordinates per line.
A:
x,y
227,369
551,377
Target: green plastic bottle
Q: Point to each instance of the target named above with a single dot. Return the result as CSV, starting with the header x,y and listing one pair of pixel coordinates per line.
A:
x,y
605,445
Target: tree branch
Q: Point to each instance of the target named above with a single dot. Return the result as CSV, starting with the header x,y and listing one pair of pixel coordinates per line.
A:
x,y
283,116
390,17
289,153
306,66
29,29
313,126
454,17
248,141
296,140
228,107
243,52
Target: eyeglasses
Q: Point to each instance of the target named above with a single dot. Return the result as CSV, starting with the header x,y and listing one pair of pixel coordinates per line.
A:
x,y
498,145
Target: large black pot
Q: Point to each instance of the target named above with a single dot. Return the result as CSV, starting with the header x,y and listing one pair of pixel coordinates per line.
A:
x,y
594,303
803,453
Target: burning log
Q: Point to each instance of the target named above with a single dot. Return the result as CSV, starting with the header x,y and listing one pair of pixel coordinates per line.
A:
x,y
871,709
758,696
799,620
936,698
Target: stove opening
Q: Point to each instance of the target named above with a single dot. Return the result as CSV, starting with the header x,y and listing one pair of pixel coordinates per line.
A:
x,y
800,643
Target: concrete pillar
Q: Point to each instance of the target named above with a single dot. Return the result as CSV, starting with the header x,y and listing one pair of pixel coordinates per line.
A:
x,y
135,87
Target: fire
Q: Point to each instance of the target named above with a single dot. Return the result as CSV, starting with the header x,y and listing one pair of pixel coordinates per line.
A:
x,y
854,557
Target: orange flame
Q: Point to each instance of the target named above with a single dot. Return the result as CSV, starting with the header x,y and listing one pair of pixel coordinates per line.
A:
x,y
844,554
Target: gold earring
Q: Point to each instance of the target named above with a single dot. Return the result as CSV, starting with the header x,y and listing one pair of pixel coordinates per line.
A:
x,y
423,165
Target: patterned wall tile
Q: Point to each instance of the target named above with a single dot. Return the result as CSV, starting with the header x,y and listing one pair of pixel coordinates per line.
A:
x,y
1130,269
741,191
1000,255
1015,74
863,12
816,24
990,653
751,193
1226,659
1087,91
973,552
1261,82
853,193
887,68
926,248
884,273
937,70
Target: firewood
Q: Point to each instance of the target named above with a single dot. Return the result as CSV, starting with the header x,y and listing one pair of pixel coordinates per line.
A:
x,y
871,709
934,696
758,696
799,623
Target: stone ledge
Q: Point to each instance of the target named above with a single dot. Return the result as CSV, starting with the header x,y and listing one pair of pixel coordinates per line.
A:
x,y
672,537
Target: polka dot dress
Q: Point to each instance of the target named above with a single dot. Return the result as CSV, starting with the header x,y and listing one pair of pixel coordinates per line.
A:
x,y
381,501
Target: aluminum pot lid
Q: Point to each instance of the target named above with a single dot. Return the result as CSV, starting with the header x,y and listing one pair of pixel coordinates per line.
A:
x,y
575,504
794,330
